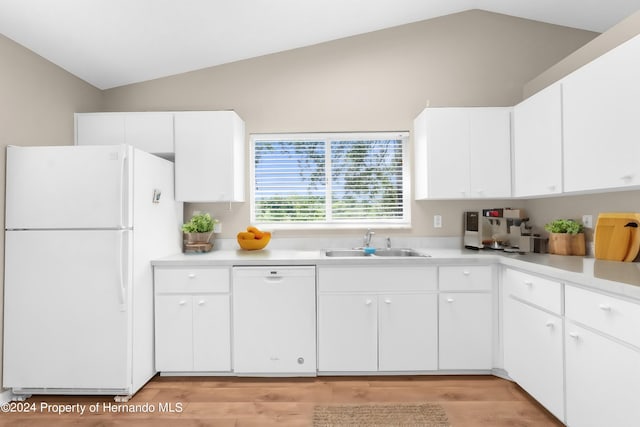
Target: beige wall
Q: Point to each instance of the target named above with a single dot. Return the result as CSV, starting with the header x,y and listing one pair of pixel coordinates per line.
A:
x,y
376,81
623,31
37,102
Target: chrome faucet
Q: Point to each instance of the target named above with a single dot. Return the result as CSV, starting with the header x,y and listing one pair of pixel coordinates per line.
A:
x,y
367,238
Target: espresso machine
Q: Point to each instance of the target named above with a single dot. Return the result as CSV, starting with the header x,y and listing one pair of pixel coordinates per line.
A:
x,y
499,228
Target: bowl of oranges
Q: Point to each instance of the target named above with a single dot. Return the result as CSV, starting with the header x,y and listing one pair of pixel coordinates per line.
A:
x,y
253,239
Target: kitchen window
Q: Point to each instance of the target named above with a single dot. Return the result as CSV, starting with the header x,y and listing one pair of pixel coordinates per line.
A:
x,y
330,180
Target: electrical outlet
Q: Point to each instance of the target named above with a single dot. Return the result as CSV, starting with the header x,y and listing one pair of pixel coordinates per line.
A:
x,y
437,221
217,227
587,221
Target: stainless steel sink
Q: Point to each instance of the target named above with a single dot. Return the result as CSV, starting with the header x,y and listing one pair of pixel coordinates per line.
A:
x,y
380,252
399,252
345,253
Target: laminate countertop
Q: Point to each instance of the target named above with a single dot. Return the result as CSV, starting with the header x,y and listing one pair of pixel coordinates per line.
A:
x,y
619,278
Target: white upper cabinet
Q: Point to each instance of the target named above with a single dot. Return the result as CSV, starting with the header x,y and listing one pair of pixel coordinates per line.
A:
x,y
601,122
149,131
537,144
463,153
209,156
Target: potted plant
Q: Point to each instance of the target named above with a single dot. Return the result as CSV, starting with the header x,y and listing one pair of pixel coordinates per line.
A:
x,y
566,237
199,229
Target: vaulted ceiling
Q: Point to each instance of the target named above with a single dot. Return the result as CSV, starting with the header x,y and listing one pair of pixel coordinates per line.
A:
x,y
110,43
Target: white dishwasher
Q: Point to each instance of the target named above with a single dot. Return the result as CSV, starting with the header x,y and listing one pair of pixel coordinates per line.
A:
x,y
274,320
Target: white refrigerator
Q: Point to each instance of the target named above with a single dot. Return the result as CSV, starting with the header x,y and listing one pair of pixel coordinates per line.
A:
x,y
82,224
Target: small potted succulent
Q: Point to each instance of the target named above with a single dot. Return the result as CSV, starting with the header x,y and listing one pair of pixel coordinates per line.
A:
x,y
566,237
199,229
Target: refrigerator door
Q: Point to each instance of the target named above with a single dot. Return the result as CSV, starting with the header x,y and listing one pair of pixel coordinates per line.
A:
x,y
66,310
68,187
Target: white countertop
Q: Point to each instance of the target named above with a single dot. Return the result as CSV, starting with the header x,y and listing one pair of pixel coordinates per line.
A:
x,y
619,278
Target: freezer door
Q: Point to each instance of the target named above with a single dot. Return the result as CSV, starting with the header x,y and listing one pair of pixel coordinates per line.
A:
x,y
66,310
68,187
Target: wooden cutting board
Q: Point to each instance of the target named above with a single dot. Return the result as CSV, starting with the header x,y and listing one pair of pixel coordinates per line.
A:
x,y
617,237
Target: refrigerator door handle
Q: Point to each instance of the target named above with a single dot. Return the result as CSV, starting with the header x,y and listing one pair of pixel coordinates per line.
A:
x,y
121,272
123,206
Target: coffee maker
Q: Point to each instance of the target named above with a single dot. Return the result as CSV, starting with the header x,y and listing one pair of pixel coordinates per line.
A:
x,y
476,230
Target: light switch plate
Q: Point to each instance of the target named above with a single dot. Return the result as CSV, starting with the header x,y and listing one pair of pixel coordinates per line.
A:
x,y
437,221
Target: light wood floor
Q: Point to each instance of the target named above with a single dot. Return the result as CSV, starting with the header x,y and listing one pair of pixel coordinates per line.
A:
x,y
225,402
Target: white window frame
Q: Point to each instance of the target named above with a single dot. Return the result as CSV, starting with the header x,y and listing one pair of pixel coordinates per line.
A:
x,y
401,223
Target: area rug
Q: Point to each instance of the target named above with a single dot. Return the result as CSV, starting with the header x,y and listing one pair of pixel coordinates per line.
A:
x,y
378,415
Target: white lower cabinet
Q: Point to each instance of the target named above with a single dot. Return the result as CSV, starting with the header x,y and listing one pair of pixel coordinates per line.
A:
x,y
603,380
602,359
466,331
192,320
466,317
533,337
192,333
377,319
533,353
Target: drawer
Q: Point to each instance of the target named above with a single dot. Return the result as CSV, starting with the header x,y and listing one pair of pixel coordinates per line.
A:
x,y
610,315
466,278
377,279
534,289
191,279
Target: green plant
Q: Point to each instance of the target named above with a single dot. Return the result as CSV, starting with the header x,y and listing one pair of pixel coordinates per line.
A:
x,y
201,223
568,226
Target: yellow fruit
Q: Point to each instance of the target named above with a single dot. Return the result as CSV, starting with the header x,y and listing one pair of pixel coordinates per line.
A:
x,y
259,234
246,235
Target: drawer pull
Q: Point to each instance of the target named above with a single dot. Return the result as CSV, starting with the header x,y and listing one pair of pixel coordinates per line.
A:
x,y
604,307
450,300
528,283
387,301
574,335
191,275
368,302
182,302
466,272
550,324
201,302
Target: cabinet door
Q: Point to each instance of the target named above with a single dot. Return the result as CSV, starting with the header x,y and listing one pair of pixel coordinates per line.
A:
x,y
407,332
603,380
150,131
211,333
601,126
537,144
533,354
174,333
466,331
347,333
489,153
100,129
209,156
447,140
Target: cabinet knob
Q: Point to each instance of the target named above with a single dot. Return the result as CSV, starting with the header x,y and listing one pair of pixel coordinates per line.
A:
x,y
387,301
191,275
368,302
574,335
552,187
182,302
201,302
528,283
550,324
466,272
604,307
450,300
627,177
